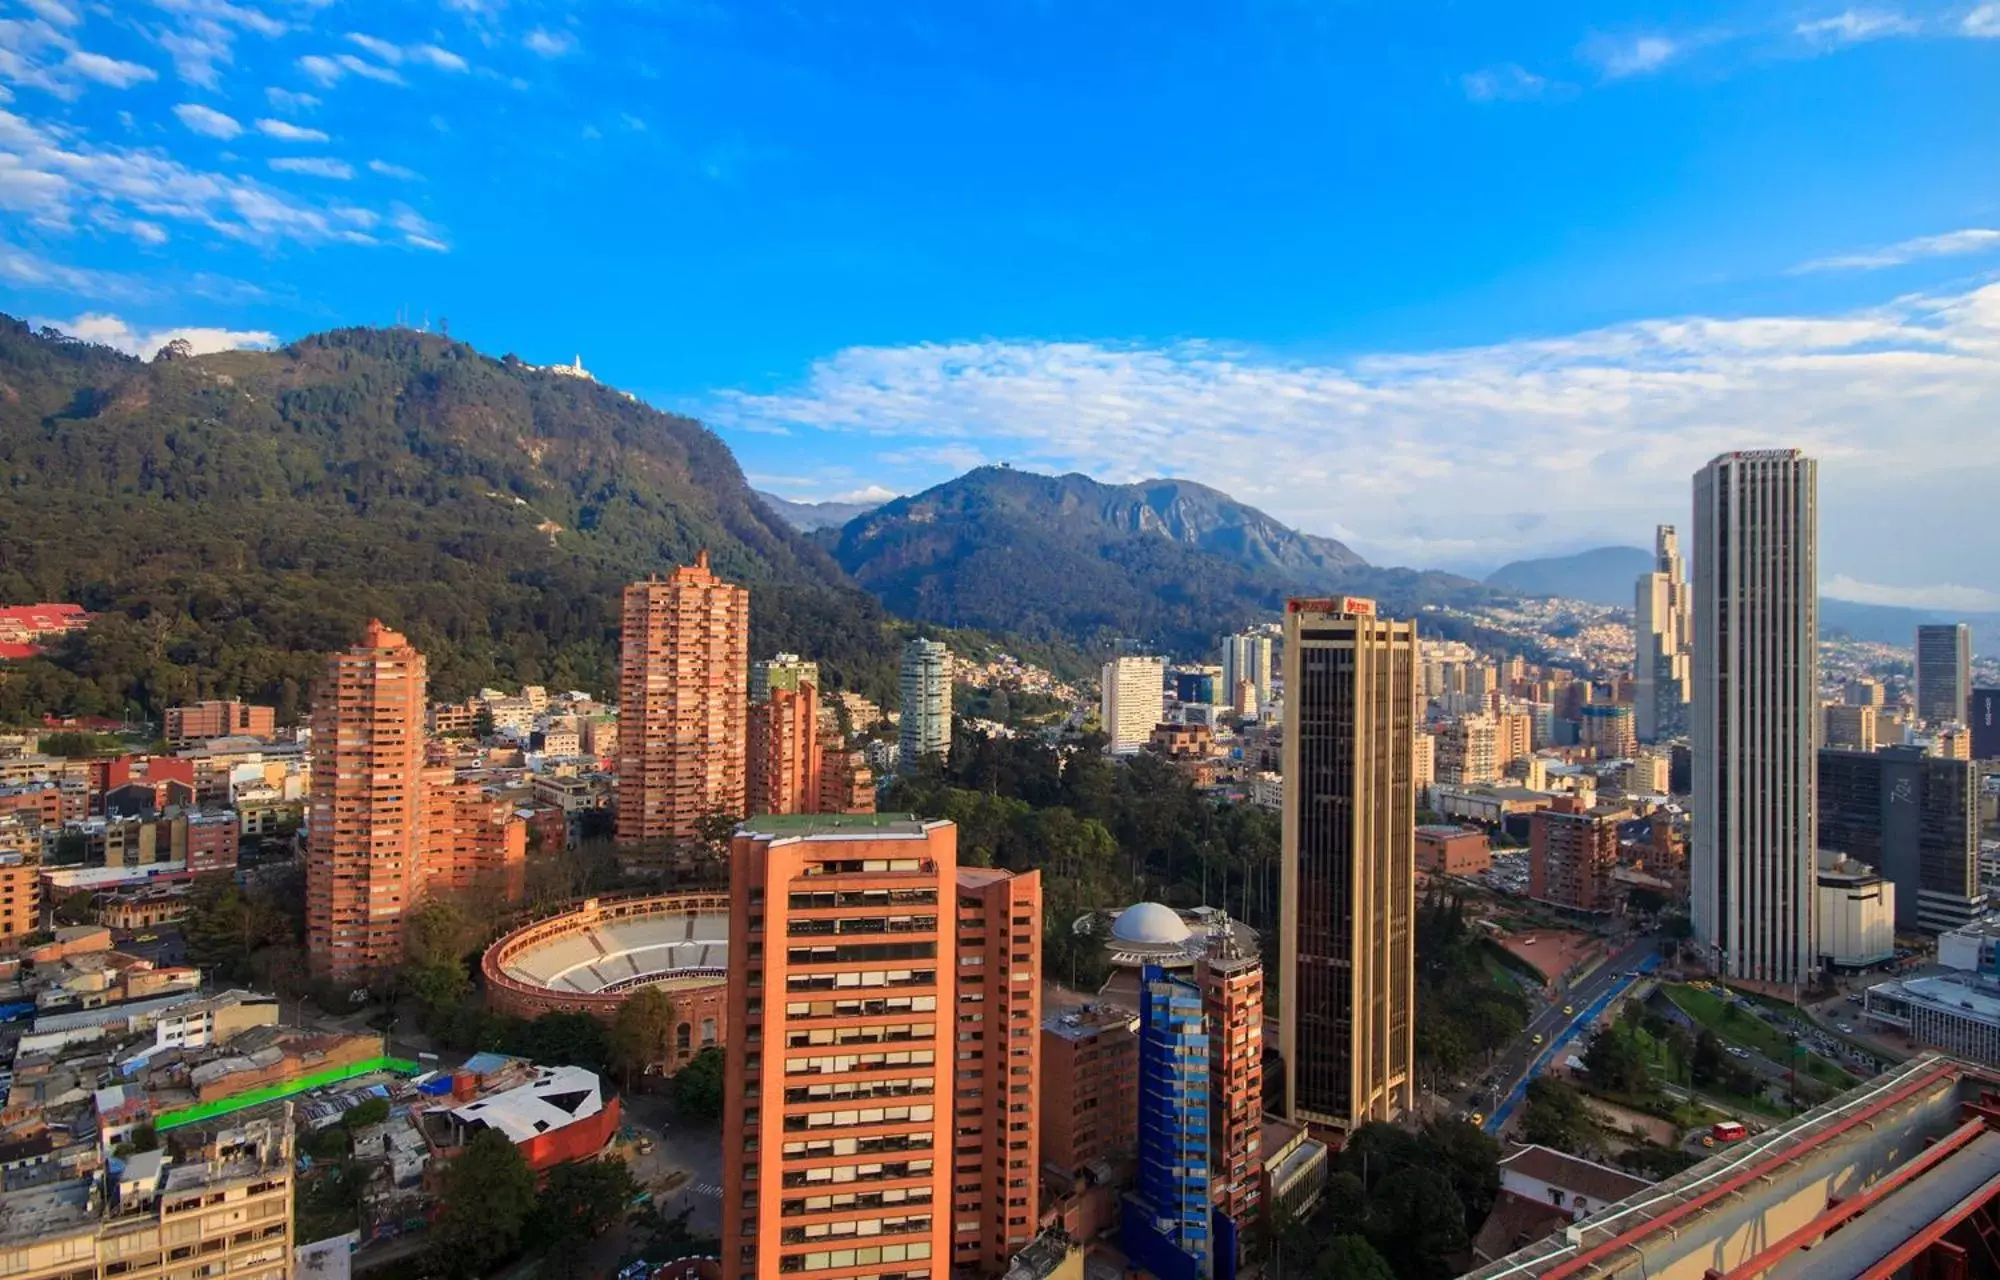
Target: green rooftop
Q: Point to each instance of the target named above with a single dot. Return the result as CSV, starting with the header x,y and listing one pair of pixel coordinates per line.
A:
x,y
810,824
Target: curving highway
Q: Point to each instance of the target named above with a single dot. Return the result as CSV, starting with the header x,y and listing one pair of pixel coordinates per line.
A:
x,y
1590,997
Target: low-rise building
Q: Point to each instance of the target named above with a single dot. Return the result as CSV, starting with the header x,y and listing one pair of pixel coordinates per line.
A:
x,y
1453,851
1959,1014
200,721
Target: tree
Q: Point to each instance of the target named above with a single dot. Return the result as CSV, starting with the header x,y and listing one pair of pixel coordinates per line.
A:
x,y
226,924
489,1191
1556,1117
75,908
697,1087
372,1111
1706,1067
576,1039
1416,1220
580,1201
642,1035
1351,1257
1468,1156
1614,1062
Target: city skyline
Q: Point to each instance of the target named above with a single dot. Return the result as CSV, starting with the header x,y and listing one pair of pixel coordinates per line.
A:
x,y
1670,252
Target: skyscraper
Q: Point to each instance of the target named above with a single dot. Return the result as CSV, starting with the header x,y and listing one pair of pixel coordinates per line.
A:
x,y
1661,634
869,1039
1914,818
682,704
1168,1211
786,671
784,758
925,685
1757,726
996,1181
1232,1001
1985,724
1246,657
1346,930
1132,701
364,853
1944,671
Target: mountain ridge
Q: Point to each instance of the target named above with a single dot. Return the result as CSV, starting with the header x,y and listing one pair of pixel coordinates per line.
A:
x,y
810,517
234,516
1171,563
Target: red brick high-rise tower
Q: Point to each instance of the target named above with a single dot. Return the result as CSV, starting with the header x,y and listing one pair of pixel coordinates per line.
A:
x,y
683,701
1232,1000
364,854
785,759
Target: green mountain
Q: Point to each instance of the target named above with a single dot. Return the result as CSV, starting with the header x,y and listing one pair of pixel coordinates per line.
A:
x,y
235,516
1602,575
1168,562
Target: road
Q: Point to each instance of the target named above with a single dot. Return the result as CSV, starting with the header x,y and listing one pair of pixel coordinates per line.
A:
x,y
1558,1030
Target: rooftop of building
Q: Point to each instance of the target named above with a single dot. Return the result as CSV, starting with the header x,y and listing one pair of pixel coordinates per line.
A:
x,y
1599,1182
556,1097
1089,1020
1447,830
803,826
1962,993
1857,1177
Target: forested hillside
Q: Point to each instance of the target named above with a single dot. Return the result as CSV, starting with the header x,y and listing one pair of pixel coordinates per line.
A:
x,y
235,516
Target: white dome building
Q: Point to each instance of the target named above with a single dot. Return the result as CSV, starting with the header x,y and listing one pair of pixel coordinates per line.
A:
x,y
1150,933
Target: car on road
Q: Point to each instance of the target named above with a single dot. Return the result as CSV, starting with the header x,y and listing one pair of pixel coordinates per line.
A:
x,y
1538,1037
1568,1009
1845,1029
147,937
1735,1051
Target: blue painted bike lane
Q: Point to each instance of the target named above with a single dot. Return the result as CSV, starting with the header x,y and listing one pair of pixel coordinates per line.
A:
x,y
1562,1040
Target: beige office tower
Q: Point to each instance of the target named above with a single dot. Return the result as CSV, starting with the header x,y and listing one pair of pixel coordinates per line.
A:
x,y
1661,640
1757,717
1346,935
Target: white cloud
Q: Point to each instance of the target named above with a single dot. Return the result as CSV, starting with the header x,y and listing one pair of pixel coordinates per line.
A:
x,y
52,175
54,11
382,49
1983,22
111,71
112,331
329,70
1506,82
397,171
1949,244
441,58
1630,56
868,493
1856,25
288,101
549,44
202,37
286,132
418,232
207,120
324,71
314,166
25,270
1937,596
1593,432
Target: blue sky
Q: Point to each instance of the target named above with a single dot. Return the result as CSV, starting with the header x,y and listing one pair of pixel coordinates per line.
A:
x,y
1455,282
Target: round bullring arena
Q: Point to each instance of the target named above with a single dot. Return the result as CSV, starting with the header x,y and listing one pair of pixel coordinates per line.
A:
x,y
590,957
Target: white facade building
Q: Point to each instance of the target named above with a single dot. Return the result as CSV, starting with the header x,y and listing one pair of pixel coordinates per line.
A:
x,y
1752,869
1134,700
924,728
1857,913
1246,657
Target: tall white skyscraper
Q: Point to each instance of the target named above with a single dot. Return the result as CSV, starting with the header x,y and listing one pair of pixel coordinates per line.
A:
x,y
925,687
1661,635
1246,657
1134,700
1756,712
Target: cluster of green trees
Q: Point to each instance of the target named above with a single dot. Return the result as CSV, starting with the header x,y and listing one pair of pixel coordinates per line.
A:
x,y
1399,1205
493,1211
1463,1009
1102,833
